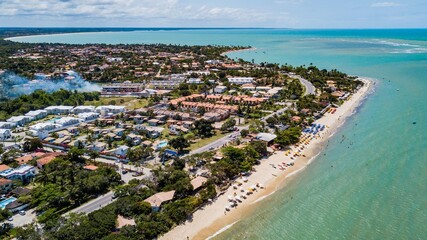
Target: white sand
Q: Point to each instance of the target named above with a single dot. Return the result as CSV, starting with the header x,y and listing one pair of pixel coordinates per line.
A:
x,y
212,218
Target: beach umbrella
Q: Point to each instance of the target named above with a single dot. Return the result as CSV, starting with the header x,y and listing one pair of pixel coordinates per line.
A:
x,y
253,187
242,189
230,198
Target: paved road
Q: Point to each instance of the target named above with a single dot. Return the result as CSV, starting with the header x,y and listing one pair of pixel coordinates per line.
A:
x,y
94,204
309,88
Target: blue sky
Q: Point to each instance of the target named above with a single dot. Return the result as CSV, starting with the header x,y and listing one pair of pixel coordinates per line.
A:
x,y
218,13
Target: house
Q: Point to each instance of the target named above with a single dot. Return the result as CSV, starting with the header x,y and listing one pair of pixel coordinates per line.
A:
x,y
153,122
216,115
240,80
90,167
194,81
154,132
16,206
23,173
25,159
88,116
138,119
188,124
121,150
119,131
295,119
110,109
38,114
198,182
3,167
47,158
59,110
98,146
83,109
122,221
20,191
136,139
266,137
7,125
19,120
67,121
63,140
41,130
5,134
177,130
159,198
5,185
220,89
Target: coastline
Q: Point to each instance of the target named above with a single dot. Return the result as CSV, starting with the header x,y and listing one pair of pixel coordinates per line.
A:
x,y
240,50
211,220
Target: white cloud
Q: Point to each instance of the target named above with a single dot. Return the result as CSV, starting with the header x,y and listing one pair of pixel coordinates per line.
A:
x,y
128,9
387,4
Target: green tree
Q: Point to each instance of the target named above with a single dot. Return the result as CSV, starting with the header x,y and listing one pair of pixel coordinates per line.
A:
x,y
32,144
228,125
179,143
203,128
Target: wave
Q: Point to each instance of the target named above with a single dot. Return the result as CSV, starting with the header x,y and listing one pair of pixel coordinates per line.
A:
x,y
221,230
263,197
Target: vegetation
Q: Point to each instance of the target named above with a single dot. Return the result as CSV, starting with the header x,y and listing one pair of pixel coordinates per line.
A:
x,y
41,99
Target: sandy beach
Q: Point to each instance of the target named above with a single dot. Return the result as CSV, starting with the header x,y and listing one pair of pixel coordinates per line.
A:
x,y
240,50
213,218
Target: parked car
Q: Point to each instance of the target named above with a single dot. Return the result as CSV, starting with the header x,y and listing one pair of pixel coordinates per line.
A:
x,y
10,219
22,212
124,171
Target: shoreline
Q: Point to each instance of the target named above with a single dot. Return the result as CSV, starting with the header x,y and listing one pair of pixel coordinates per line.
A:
x,y
212,220
240,50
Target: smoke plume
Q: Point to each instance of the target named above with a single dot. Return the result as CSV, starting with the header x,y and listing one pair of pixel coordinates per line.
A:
x,y
13,85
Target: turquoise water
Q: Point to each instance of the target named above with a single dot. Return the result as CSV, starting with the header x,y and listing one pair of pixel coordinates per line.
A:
x,y
162,144
5,202
373,185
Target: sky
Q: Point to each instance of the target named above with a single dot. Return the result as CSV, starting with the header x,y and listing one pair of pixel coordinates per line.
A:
x,y
218,13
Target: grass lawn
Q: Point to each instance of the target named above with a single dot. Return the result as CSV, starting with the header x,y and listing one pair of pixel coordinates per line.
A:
x,y
131,103
206,141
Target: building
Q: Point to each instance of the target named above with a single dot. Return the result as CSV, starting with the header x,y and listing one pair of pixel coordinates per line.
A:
x,y
7,125
59,109
88,116
47,158
41,130
121,150
220,89
5,134
5,185
25,159
83,109
159,198
198,182
67,121
110,109
266,137
37,114
177,130
19,120
123,88
23,173
240,80
194,81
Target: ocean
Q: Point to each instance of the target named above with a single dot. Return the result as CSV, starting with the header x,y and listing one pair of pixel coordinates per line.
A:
x,y
370,181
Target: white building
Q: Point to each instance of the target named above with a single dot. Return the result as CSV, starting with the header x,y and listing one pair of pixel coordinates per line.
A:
x,y
23,172
111,109
59,109
42,130
67,121
37,114
7,125
20,120
83,109
220,89
241,80
194,81
88,116
5,134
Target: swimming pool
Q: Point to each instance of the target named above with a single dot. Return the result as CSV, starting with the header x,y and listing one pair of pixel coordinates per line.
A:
x,y
162,144
4,203
53,120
